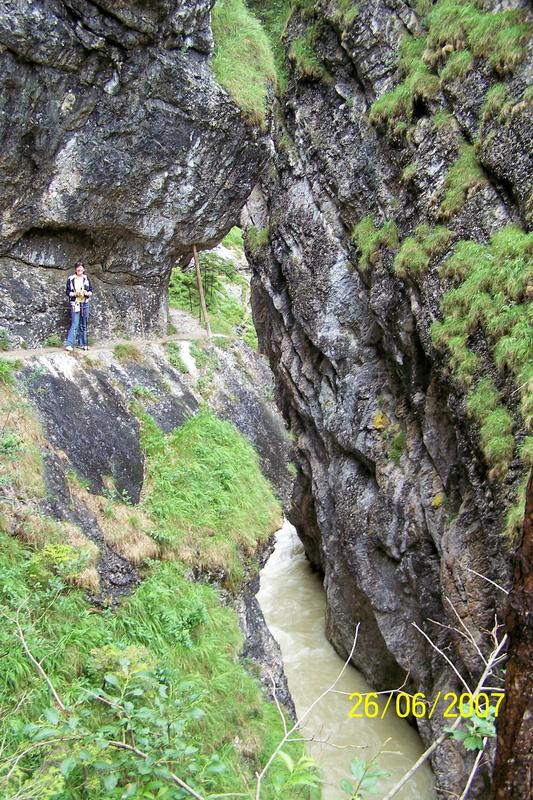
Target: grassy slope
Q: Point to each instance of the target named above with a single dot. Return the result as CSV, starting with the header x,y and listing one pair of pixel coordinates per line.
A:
x,y
205,499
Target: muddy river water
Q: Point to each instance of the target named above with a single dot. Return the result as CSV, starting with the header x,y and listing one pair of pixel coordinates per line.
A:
x,y
293,603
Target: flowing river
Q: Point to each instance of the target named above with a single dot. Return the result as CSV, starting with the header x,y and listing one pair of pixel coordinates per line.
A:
x,y
293,603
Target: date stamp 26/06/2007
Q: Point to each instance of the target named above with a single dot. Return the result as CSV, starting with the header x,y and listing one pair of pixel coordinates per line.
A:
x,y
466,705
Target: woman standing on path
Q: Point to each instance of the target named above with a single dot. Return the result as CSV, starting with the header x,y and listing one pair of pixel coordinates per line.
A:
x,y
78,291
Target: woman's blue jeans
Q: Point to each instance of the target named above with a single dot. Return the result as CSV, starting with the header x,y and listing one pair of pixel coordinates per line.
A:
x,y
78,326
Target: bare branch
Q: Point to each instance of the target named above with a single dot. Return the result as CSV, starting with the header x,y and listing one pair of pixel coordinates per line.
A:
x,y
469,633
473,771
491,663
497,585
445,657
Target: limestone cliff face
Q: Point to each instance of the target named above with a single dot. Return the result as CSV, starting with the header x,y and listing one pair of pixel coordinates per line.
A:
x,y
394,501
118,148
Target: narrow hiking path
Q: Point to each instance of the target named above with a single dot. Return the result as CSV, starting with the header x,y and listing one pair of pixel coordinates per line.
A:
x,y
187,327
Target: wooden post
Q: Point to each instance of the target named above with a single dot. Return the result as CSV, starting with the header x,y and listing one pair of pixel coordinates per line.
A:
x,y
201,290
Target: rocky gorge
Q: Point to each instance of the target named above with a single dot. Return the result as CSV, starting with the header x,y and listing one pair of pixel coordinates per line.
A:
x,y
387,210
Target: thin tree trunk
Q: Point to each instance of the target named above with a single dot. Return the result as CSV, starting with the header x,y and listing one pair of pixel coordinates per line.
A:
x,y
201,290
513,770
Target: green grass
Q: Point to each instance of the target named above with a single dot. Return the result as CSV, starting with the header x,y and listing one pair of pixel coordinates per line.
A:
x,y
303,55
169,627
456,33
174,356
370,240
455,25
491,295
243,61
274,16
211,506
415,252
256,238
233,241
127,352
463,177
207,493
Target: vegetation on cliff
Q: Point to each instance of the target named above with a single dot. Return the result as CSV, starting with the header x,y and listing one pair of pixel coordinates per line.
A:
x,y
152,692
243,61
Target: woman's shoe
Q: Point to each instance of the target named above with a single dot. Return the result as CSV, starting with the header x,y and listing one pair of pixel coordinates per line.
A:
x,y
69,347
85,348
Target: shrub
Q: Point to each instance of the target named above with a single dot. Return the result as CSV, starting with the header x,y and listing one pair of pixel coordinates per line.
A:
x,y
53,340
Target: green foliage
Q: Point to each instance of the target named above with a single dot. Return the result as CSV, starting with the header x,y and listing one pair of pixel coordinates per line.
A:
x,y
233,241
457,32
161,674
59,559
256,238
7,370
243,61
226,313
476,730
274,16
10,443
127,352
494,100
143,393
491,294
4,339
366,776
370,240
458,65
347,11
397,447
174,357
207,493
514,520
418,84
455,25
53,340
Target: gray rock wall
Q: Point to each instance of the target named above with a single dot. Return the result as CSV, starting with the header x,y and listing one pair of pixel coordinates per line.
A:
x,y
119,148
395,524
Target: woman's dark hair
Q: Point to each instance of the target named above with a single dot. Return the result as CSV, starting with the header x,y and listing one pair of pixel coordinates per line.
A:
x,y
79,264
